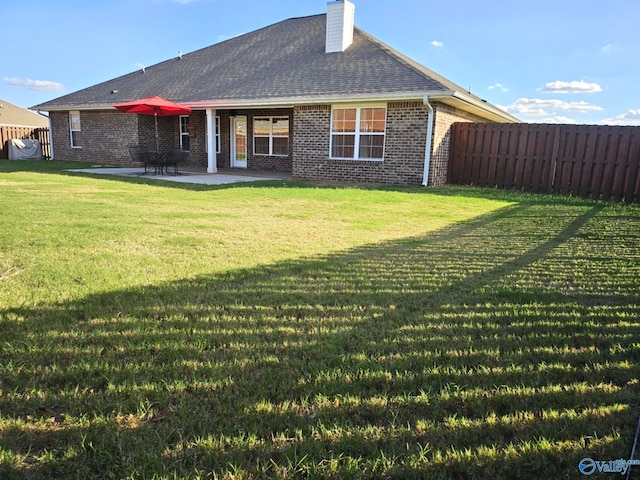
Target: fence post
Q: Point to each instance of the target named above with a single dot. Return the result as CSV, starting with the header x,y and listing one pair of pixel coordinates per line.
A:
x,y
554,160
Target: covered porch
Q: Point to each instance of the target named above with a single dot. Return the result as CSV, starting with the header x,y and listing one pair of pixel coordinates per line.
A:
x,y
239,139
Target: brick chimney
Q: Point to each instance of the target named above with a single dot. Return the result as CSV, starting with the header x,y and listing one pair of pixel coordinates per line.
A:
x,y
340,23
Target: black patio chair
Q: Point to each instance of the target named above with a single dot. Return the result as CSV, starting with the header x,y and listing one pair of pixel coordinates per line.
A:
x,y
174,158
141,155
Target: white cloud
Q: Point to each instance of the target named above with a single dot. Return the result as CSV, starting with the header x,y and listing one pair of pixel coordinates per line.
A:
x,y
437,43
608,48
498,86
577,86
631,118
537,107
40,85
558,119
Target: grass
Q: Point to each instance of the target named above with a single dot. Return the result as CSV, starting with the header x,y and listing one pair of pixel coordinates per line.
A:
x,y
284,330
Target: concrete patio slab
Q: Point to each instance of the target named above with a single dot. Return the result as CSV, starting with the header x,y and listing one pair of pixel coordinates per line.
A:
x,y
221,178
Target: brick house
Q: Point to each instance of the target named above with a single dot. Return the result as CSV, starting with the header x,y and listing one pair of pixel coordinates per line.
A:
x,y
314,96
20,123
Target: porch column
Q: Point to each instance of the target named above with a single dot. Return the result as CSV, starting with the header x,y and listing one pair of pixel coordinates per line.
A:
x,y
212,157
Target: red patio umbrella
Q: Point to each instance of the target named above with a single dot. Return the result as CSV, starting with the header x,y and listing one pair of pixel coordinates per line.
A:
x,y
156,106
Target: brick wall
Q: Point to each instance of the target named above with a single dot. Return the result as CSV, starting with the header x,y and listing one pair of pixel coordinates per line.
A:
x,y
197,139
311,141
406,142
105,135
404,147
445,116
103,138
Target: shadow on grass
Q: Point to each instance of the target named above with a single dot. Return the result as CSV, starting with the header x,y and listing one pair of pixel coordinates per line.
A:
x,y
61,167
504,347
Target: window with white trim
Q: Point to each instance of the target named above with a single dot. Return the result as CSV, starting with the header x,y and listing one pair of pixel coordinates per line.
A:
x,y
206,137
74,129
271,136
358,133
217,134
184,133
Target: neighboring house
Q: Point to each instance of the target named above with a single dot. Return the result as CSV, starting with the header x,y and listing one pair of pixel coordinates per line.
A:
x,y
14,116
20,123
313,96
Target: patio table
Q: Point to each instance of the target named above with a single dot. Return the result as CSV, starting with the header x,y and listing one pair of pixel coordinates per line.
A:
x,y
160,162
175,158
141,155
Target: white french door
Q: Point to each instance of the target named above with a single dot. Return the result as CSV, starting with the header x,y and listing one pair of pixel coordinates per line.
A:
x,y
239,142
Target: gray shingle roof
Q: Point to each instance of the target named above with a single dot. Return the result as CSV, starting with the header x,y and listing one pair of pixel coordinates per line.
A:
x,y
284,60
13,115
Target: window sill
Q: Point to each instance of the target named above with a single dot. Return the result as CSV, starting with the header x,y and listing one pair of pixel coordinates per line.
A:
x,y
357,160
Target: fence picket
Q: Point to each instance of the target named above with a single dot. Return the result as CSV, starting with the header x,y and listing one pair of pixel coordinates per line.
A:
x,y
25,133
583,160
630,187
621,165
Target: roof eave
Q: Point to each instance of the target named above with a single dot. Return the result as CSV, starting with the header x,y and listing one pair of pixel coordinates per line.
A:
x,y
66,108
453,98
472,105
291,102
277,102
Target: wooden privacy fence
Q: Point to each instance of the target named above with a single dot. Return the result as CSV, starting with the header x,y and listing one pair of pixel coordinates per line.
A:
x,y
589,161
25,133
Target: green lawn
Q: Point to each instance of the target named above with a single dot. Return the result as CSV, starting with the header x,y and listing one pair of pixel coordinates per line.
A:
x,y
285,330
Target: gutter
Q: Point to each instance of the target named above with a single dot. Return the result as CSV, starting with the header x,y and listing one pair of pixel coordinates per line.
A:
x,y
429,143
450,97
290,102
51,154
280,102
473,105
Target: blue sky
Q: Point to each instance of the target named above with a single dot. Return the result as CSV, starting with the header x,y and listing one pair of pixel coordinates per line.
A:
x,y
566,61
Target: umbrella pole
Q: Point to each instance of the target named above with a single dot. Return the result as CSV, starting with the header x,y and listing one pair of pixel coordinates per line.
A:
x,y
155,115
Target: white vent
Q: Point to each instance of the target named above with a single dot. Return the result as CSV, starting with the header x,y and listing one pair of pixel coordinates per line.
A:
x,y
340,23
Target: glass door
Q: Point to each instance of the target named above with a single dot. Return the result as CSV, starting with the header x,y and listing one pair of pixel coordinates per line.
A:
x,y
239,142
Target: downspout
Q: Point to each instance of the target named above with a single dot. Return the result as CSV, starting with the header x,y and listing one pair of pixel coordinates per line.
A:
x,y
427,150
